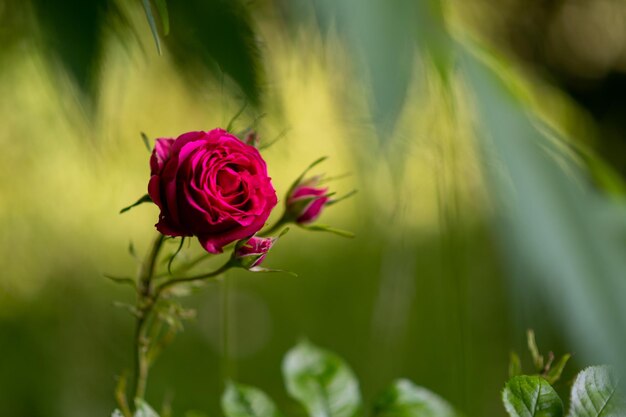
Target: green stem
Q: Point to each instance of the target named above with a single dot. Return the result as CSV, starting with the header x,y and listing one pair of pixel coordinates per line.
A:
x,y
273,229
176,281
145,304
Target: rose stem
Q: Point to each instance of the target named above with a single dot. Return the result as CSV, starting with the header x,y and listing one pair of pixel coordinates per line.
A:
x,y
145,304
280,223
176,281
146,300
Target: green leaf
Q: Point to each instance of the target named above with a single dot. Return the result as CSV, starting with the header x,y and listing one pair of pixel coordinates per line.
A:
x,y
241,400
144,410
594,394
405,399
329,229
531,396
321,381
144,199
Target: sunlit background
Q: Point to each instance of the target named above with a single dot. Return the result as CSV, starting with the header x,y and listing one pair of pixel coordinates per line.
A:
x,y
486,140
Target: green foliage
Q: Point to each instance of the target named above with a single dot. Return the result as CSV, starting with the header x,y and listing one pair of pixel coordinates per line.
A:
x,y
405,399
241,400
321,381
324,384
594,394
531,396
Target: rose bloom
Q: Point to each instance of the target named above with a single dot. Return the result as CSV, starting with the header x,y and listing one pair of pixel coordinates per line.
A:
x,y
210,185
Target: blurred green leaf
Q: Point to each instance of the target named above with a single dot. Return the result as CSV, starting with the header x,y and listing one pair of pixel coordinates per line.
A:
x,y
216,35
144,410
405,399
321,381
241,400
569,237
594,394
72,32
531,396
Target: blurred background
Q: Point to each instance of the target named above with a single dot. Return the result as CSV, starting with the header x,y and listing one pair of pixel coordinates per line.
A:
x,y
486,139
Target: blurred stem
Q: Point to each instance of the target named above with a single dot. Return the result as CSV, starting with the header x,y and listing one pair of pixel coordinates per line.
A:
x,y
273,229
147,298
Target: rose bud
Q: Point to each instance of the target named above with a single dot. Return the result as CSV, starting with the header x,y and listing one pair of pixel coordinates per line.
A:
x,y
210,185
252,138
306,201
250,253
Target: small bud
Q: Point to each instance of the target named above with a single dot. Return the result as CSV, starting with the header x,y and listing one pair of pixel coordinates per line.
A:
x,y
306,201
250,253
252,138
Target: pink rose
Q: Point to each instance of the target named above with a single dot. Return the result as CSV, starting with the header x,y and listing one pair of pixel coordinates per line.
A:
x,y
306,201
210,185
251,253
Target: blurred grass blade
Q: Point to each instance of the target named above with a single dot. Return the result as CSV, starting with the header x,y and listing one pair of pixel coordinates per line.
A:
x,y
531,396
161,6
568,236
152,22
405,399
385,38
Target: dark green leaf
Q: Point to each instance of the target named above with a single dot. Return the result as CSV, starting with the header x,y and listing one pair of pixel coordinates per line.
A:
x,y
225,46
241,400
144,199
71,31
405,399
321,381
594,394
531,396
